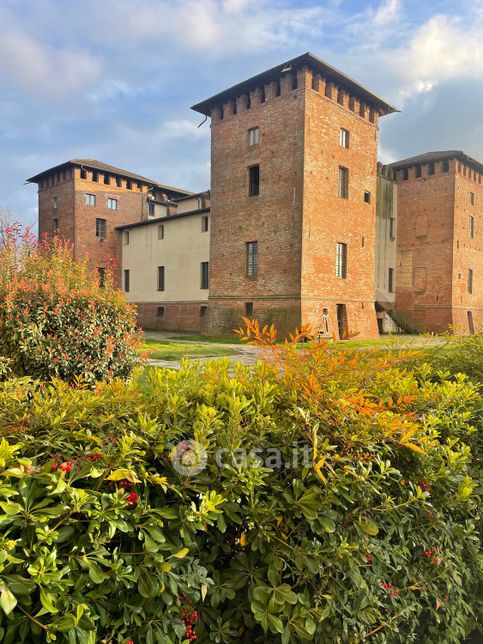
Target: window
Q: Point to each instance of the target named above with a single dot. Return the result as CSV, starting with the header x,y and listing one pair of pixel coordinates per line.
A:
x,y
431,169
254,181
470,280
55,226
367,197
343,191
129,185
127,279
341,260
112,203
471,226
392,228
101,226
203,311
161,231
160,278
126,238
205,275
205,224
160,312
418,172
405,174
95,176
107,179
390,280
90,200
119,182
248,309
252,258
102,276
253,136
344,138
446,166
55,202
83,174
472,198
151,209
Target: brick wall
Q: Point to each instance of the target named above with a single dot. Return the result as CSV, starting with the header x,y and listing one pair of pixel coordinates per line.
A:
x,y
176,316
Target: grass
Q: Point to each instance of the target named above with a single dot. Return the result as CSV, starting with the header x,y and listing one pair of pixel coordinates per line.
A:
x,y
170,350
209,339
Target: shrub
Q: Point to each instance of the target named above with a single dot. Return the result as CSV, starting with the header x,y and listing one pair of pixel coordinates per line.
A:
x,y
459,355
56,319
370,537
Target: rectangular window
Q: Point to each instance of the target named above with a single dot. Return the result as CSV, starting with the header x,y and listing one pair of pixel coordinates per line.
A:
x,y
470,280
160,278
367,197
248,309
126,238
405,174
112,203
431,169
55,202
392,228
118,182
253,136
129,185
107,179
90,200
344,137
343,191
205,275
445,166
471,226
101,227
472,198
205,224
390,280
95,176
160,311
341,260
161,231
55,226
127,280
254,181
418,172
252,258
203,311
83,174
151,210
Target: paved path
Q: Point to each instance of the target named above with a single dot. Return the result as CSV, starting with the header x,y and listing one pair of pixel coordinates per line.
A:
x,y
248,355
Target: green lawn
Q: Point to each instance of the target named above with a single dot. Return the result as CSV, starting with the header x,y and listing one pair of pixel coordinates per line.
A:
x,y
171,350
232,339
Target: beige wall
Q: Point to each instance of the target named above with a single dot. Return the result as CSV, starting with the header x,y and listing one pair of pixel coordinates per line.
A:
x,y
181,252
186,205
385,245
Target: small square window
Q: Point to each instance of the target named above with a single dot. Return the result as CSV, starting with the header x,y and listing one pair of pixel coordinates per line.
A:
x,y
203,311
205,224
112,203
344,137
126,238
160,312
55,202
90,200
367,196
254,181
101,228
248,309
161,231
253,136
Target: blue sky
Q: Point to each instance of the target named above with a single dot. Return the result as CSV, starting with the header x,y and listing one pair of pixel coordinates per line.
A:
x,y
114,79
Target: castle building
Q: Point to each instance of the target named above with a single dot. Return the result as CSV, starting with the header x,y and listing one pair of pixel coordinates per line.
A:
x,y
301,225
293,195
439,242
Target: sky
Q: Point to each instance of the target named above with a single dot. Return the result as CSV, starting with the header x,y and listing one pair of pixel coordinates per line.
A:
x,y
114,80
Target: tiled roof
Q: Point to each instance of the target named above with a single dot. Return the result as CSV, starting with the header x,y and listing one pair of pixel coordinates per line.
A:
x,y
440,155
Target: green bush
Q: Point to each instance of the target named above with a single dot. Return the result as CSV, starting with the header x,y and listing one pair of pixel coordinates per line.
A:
x,y
56,319
459,355
371,537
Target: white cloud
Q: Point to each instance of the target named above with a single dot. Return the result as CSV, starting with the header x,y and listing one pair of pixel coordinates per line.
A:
x,y
386,13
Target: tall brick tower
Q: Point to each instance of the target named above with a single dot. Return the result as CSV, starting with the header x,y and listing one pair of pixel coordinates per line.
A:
x,y
84,200
293,182
439,241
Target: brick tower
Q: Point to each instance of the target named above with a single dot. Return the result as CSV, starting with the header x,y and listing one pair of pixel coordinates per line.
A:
x,y
439,247
293,182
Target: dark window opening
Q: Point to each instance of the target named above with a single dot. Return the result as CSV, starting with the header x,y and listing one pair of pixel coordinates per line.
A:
x,y
129,185
248,309
340,97
446,166
470,280
390,281
294,80
118,182
205,224
328,90
254,181
107,179
472,198
101,228
127,280
252,258
151,209
102,276
343,189
55,226
95,176
205,275
161,231
405,174
367,197
419,172
160,278
341,260
160,312
83,174
203,311
278,89
431,168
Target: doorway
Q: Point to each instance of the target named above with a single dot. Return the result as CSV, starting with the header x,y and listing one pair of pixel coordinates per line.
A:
x,y
342,322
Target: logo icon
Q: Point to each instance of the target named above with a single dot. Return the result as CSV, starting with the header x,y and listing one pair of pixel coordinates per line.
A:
x,y
188,458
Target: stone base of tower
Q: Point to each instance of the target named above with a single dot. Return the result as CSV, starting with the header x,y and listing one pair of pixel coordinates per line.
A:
x,y
341,319
223,316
